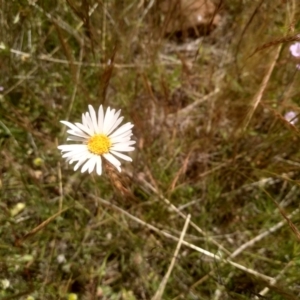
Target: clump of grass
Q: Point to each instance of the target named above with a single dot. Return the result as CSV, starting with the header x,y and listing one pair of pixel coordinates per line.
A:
x,y
213,143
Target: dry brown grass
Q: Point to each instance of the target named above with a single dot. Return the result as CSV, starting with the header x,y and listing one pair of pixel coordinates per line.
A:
x,y
212,144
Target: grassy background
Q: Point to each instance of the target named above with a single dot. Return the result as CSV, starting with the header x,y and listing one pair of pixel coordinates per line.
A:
x,y
212,142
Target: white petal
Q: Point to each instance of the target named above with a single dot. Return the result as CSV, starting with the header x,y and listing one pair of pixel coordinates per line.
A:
x,y
125,133
122,148
79,163
86,165
99,165
131,142
106,115
93,162
76,138
122,129
94,119
89,122
113,160
120,139
85,128
78,133
69,160
115,122
64,148
121,155
100,119
107,120
70,125
77,154
81,156
84,122
124,144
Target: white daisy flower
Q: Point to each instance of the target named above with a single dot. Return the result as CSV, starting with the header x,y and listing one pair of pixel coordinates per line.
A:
x,y
98,137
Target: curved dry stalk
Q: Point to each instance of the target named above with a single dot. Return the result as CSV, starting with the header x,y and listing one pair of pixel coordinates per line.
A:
x,y
163,284
191,246
263,86
181,214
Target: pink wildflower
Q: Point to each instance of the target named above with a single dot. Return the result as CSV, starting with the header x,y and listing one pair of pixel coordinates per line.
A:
x,y
291,117
295,49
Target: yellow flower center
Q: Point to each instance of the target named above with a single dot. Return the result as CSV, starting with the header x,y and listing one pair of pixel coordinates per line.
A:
x,y
99,144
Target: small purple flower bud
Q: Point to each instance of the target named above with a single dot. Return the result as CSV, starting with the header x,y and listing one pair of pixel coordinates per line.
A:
x,y
291,117
295,49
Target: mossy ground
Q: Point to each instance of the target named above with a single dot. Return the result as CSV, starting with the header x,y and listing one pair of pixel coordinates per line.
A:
x,y
212,142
